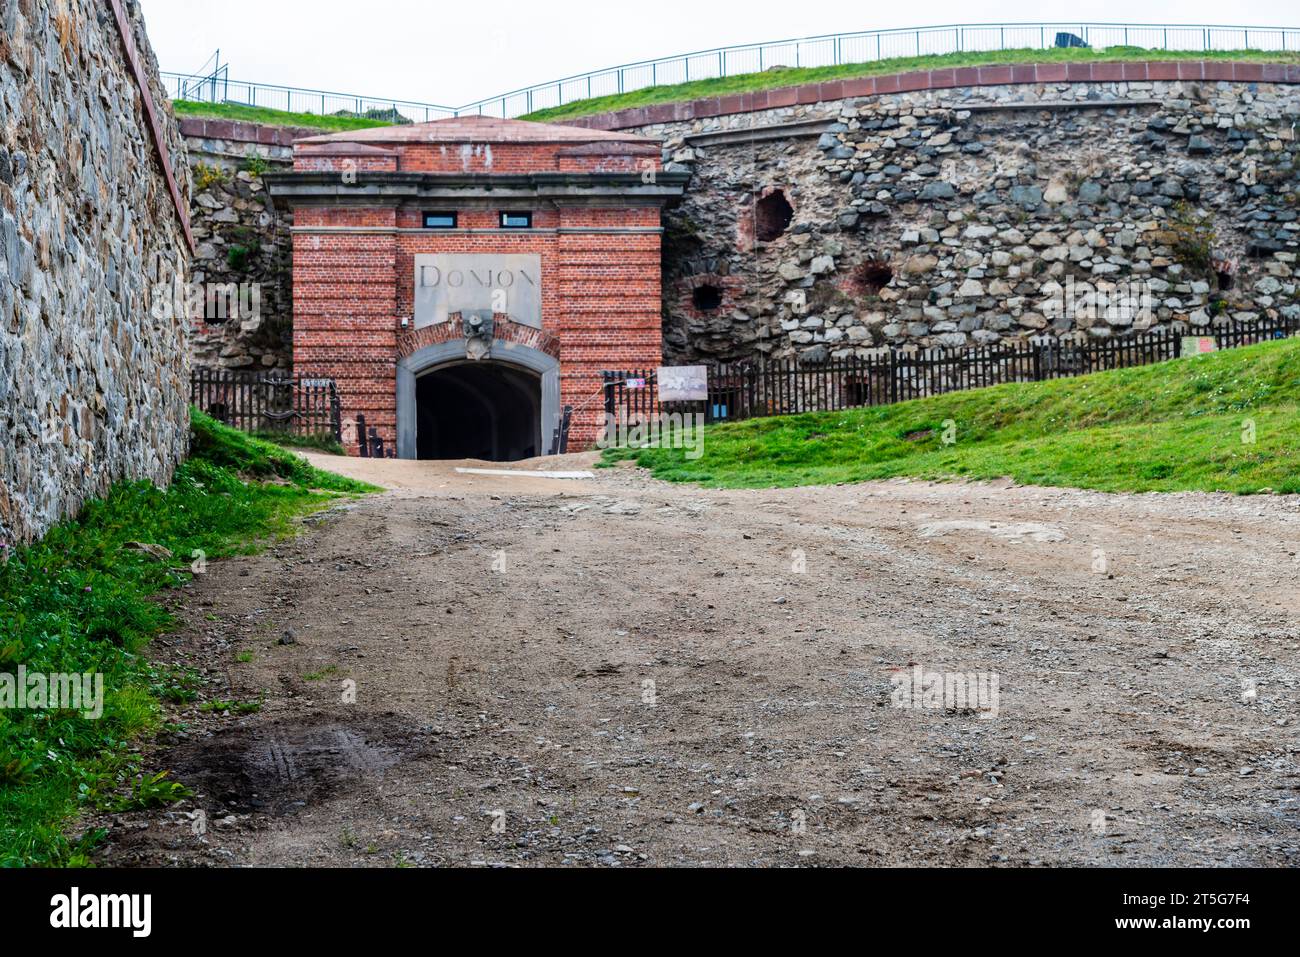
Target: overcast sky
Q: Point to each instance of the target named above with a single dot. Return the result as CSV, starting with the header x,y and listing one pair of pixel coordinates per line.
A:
x,y
452,53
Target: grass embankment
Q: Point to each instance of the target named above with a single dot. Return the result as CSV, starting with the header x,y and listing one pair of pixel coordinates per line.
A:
x,y
780,77
1176,426
748,83
80,601
313,443
268,117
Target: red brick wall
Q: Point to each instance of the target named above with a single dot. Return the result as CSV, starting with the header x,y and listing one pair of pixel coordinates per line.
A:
x,y
600,299
345,308
312,163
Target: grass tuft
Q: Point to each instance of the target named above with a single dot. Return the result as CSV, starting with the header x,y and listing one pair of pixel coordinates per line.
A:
x,y
257,458
290,440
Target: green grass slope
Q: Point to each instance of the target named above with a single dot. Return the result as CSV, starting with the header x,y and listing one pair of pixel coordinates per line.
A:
x,y
1228,421
794,76
80,601
269,117
745,83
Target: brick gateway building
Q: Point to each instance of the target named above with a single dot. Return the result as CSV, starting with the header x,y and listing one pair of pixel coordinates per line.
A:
x,y
465,280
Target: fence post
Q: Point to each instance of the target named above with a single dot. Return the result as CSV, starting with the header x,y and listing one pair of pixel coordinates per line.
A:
x,y
362,442
609,391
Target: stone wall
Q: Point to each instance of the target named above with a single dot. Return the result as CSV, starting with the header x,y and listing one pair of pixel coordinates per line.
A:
x,y
975,214
92,386
242,239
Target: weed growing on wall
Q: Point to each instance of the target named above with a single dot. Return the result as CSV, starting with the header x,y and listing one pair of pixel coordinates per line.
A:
x,y
1192,237
206,176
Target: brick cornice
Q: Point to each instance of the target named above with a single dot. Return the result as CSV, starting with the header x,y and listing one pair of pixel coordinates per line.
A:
x,y
386,188
952,77
504,330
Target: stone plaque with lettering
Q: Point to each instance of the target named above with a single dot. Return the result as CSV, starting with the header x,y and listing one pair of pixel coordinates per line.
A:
x,y
453,282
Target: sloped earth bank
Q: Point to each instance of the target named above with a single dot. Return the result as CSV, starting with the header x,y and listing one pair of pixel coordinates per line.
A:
x,y
504,713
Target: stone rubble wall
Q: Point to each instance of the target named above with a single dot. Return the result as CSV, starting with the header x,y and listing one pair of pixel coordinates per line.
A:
x,y
981,207
93,387
242,238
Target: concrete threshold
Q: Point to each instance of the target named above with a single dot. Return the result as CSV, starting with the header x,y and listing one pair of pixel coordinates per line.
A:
x,y
528,473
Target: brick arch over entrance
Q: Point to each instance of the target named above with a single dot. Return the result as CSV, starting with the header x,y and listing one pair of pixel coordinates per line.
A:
x,y
434,355
505,332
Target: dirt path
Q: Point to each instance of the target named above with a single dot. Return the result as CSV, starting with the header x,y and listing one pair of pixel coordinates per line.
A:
x,y
615,671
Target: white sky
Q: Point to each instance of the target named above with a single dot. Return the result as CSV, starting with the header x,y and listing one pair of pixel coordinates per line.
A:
x,y
453,52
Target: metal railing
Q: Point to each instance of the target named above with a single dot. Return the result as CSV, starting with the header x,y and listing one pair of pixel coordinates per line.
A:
x,y
262,402
836,49
217,87
753,389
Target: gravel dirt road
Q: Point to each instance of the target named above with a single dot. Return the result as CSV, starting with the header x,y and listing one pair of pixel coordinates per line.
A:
x,y
620,672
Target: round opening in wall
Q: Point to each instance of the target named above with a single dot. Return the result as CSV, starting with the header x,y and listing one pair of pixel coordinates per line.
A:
x,y
706,297
872,276
772,215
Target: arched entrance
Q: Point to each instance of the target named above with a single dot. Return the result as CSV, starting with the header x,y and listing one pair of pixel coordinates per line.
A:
x,y
478,410
500,408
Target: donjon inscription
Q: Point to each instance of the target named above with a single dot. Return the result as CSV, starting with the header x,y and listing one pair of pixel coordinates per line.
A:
x,y
448,283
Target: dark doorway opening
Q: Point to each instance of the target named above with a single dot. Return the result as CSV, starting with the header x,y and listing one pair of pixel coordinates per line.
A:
x,y
478,410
